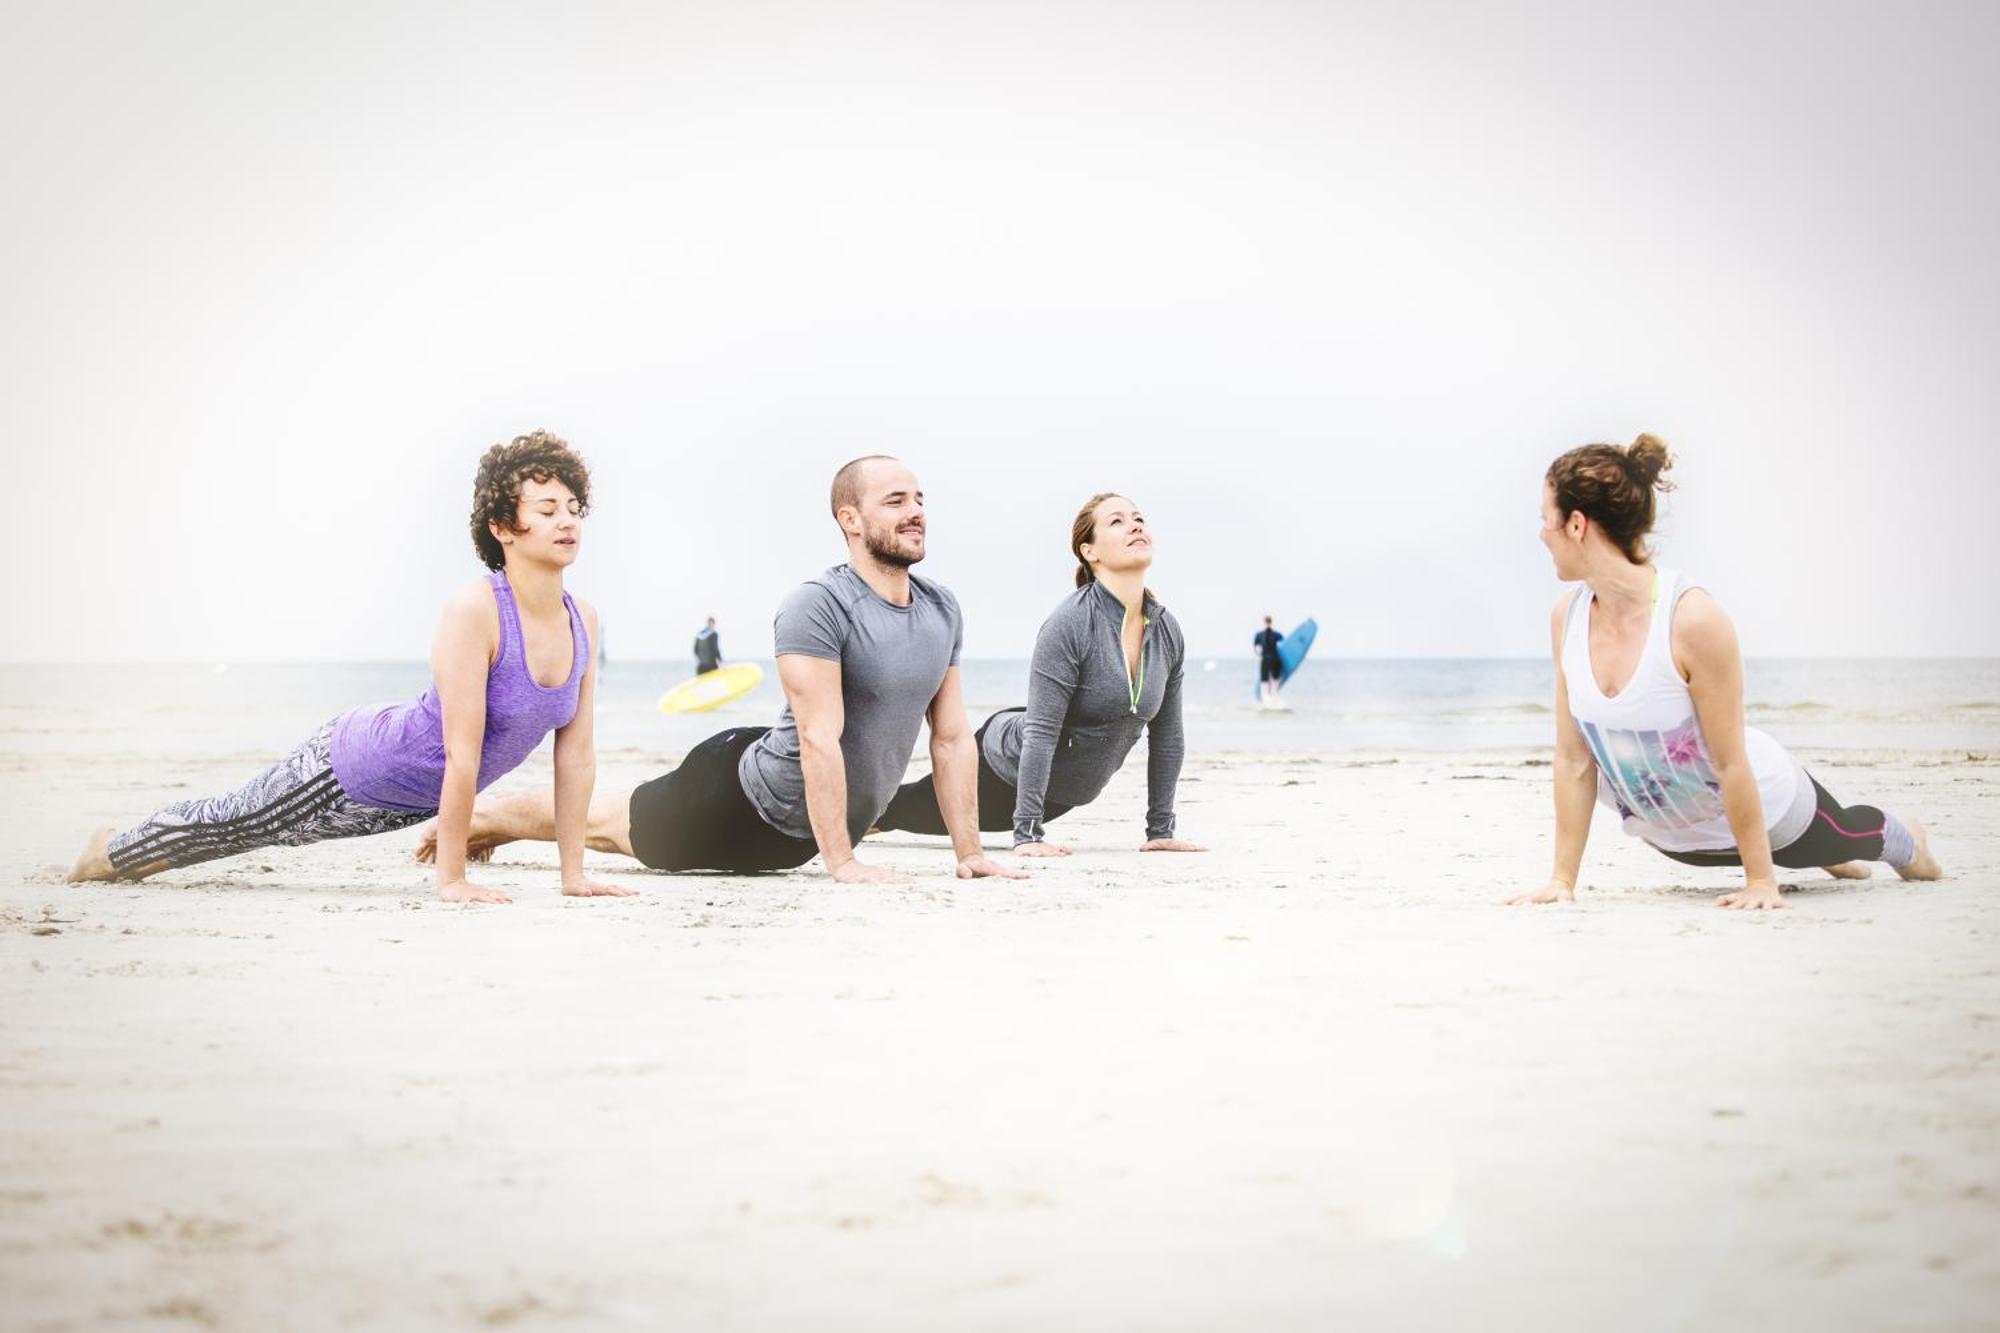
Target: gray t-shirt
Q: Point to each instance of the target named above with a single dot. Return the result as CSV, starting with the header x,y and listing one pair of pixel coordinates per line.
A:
x,y
1082,719
892,663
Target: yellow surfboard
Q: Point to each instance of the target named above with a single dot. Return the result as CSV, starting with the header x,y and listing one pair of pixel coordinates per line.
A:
x,y
712,689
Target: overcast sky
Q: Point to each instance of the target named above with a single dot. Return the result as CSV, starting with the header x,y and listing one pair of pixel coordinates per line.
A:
x,y
1322,286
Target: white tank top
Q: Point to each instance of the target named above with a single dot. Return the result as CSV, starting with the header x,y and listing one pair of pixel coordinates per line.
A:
x,y
1653,765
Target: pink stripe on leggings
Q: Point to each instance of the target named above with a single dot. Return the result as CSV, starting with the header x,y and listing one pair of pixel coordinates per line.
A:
x,y
1844,833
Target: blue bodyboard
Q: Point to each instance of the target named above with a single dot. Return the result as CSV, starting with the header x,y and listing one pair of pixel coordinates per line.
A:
x,y
1295,647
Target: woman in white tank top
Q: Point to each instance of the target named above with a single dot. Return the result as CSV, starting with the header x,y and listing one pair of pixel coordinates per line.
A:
x,y
1649,707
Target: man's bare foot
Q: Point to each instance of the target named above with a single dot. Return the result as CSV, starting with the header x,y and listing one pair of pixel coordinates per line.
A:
x,y
95,863
1923,865
1849,870
427,846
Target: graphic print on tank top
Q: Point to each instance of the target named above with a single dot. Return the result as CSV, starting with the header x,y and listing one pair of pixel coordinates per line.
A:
x,y
1653,764
1662,777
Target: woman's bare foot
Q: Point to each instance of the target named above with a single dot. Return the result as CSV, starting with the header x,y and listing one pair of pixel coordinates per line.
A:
x,y
1923,865
1849,870
476,850
95,863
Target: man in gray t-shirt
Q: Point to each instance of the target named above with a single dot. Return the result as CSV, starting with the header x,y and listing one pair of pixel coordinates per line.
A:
x,y
892,659
866,652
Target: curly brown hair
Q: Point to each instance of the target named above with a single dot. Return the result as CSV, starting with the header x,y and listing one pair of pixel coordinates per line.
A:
x,y
496,490
1614,487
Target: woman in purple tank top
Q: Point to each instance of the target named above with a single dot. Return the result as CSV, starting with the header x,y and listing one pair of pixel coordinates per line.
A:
x,y
514,659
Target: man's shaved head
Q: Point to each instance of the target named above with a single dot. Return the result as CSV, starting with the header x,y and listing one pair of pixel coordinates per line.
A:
x,y
880,510
848,481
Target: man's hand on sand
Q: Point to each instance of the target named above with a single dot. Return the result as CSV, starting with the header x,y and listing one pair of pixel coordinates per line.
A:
x,y
590,888
978,866
854,872
1555,891
459,891
1170,845
1753,898
1040,849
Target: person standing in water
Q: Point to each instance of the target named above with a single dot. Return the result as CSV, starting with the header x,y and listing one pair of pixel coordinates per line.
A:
x,y
866,652
1108,665
1270,667
707,649
1649,707
511,662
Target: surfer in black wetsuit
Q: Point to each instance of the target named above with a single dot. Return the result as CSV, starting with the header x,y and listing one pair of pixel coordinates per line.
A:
x,y
1270,668
707,649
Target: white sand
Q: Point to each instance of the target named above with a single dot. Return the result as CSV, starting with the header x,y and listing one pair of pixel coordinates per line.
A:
x,y
1314,1079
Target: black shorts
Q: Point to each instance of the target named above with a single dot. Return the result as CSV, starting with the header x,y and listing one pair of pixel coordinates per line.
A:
x,y
1269,669
914,808
697,817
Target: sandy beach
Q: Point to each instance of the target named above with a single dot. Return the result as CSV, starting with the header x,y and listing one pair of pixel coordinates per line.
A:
x,y
1313,1079
529,359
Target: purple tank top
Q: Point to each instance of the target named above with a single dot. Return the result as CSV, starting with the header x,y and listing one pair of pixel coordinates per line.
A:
x,y
391,756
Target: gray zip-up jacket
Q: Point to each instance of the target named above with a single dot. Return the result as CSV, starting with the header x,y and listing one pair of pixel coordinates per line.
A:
x,y
1082,719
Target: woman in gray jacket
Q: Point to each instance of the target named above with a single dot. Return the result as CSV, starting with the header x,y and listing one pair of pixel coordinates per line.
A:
x,y
1107,666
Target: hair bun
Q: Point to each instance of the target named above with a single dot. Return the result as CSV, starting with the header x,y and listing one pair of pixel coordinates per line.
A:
x,y
1648,457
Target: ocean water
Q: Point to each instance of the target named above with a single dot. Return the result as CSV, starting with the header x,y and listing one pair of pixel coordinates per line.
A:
x,y
1335,704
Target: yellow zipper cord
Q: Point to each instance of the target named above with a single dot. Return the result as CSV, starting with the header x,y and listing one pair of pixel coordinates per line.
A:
x,y
1137,687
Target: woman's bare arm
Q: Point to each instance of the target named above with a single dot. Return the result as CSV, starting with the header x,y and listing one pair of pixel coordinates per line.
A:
x,y
462,653
1707,654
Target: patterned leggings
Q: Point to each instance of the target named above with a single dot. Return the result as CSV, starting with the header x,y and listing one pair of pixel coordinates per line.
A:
x,y
293,802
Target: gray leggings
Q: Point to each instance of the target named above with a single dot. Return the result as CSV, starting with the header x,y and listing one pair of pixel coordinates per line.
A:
x,y
293,802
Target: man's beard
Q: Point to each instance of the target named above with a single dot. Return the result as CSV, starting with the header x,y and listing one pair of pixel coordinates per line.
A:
x,y
882,546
